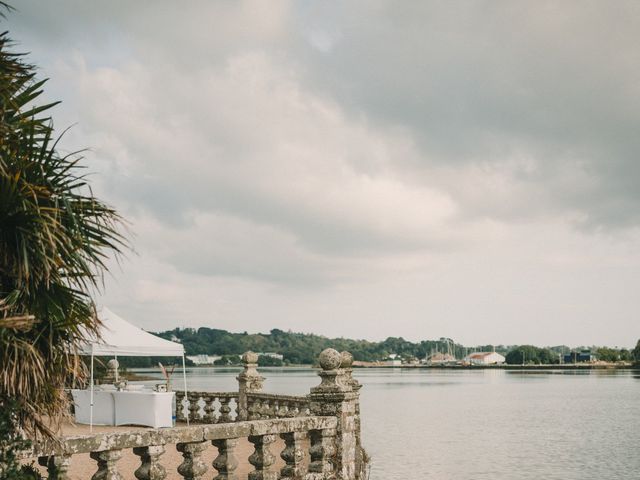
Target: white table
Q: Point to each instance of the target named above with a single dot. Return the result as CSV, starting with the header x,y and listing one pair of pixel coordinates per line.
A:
x,y
139,407
152,409
103,407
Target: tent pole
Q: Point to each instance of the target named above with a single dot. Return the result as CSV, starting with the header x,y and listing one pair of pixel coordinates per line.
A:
x,y
91,403
116,357
184,378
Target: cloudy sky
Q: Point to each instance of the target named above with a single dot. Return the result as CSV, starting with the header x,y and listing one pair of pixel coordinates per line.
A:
x,y
361,169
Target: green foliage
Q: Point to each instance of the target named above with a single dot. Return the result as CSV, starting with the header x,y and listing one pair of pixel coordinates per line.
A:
x,y
529,354
11,443
264,361
55,239
607,354
636,353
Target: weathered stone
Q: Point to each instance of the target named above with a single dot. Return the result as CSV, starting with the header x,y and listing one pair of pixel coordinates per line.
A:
x,y
225,410
346,360
150,468
107,469
292,454
322,453
337,397
262,458
226,462
330,359
192,467
249,381
57,466
194,407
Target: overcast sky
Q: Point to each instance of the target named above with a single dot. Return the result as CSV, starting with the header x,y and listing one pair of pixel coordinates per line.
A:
x,y
360,169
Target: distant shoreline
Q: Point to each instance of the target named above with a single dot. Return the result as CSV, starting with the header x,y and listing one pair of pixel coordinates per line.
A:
x,y
567,366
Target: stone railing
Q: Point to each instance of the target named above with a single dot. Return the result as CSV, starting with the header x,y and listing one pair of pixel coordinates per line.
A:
x,y
268,405
222,407
320,433
207,407
107,448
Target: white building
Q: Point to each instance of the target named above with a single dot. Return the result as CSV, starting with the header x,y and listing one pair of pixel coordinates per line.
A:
x,y
277,356
484,358
203,359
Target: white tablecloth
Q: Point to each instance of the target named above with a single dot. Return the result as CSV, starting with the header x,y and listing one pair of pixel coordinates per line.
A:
x,y
152,409
103,409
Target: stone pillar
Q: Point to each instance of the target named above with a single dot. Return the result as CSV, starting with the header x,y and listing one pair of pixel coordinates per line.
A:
x,y
346,364
57,466
249,381
192,466
293,455
107,469
336,397
226,463
150,468
262,458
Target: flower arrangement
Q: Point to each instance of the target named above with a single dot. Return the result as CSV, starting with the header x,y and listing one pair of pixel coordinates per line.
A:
x,y
167,374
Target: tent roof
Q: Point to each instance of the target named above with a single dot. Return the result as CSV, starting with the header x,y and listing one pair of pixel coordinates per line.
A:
x,y
119,337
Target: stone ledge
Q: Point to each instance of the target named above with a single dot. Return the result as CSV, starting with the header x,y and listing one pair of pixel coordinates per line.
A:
x,y
163,436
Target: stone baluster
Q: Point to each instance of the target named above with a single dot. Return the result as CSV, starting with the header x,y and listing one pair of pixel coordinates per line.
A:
x,y
225,410
180,398
150,468
292,454
226,462
322,452
254,410
209,409
262,459
192,467
194,407
57,466
266,411
284,411
249,381
336,397
107,460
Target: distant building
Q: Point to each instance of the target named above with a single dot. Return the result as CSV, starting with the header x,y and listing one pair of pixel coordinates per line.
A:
x,y
393,360
440,358
585,356
484,358
203,359
277,356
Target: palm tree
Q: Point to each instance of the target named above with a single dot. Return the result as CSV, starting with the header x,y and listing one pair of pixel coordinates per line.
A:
x,y
55,239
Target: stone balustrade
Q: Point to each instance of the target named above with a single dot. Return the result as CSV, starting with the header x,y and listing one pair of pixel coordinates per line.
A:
x,y
268,405
107,448
207,407
222,407
320,433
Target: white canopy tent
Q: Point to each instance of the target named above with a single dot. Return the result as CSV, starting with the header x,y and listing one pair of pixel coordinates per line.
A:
x,y
117,337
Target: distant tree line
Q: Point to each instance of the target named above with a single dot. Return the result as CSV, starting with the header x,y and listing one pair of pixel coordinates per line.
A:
x,y
303,348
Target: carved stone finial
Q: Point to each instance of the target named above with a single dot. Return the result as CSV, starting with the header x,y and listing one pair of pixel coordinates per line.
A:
x,y
330,359
249,357
346,360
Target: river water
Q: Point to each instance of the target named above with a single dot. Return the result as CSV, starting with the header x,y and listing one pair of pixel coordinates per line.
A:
x,y
483,424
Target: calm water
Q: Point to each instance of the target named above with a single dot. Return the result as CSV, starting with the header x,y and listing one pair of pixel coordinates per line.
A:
x,y
487,424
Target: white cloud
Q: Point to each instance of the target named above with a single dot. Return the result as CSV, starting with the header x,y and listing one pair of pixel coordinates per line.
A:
x,y
360,169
